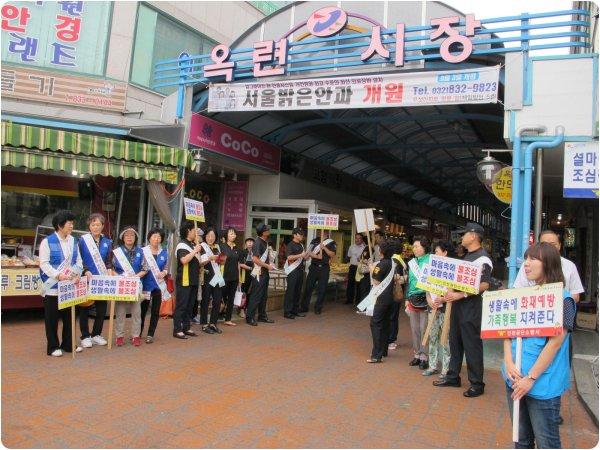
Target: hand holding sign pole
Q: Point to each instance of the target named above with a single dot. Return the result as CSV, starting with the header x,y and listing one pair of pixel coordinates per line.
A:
x,y
323,222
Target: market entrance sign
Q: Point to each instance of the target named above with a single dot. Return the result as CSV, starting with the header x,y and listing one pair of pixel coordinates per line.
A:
x,y
371,91
581,170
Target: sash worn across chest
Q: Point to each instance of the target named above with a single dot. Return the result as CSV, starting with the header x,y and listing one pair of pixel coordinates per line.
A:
x,y
94,252
155,271
217,278
289,268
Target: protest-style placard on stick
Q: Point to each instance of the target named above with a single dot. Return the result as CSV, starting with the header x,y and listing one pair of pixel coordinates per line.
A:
x,y
323,221
70,294
535,311
365,223
194,210
454,273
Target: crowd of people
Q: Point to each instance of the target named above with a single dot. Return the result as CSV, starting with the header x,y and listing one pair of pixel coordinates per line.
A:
x,y
212,273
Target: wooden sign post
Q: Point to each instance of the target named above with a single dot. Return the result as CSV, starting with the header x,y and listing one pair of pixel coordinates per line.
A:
x,y
70,294
111,320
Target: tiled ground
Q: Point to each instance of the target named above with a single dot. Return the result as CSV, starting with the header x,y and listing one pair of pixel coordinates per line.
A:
x,y
301,383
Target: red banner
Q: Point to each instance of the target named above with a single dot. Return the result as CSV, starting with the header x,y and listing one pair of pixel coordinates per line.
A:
x,y
225,140
235,201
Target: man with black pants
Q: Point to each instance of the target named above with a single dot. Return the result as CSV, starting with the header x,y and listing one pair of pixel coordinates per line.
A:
x,y
260,277
465,323
354,253
318,272
294,268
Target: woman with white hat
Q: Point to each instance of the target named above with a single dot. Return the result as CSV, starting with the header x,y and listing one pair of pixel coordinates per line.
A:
x,y
128,260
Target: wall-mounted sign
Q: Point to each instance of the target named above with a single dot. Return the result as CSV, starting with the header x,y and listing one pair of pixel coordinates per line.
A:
x,y
270,58
63,35
235,202
55,87
580,178
502,186
371,91
216,137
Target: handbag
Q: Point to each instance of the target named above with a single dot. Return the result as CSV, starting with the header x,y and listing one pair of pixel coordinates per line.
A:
x,y
398,290
167,306
240,299
418,301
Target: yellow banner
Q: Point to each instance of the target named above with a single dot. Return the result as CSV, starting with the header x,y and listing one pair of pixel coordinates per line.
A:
x,y
21,282
452,284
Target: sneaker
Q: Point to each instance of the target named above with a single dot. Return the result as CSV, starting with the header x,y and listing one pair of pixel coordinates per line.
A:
x,y
87,342
429,372
78,349
196,319
392,346
120,341
137,341
57,352
99,340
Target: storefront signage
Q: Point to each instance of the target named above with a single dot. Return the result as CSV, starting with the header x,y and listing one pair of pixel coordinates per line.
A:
x,y
54,87
581,170
323,221
369,91
524,312
194,210
114,288
71,293
225,140
235,201
64,35
454,273
270,58
21,282
502,185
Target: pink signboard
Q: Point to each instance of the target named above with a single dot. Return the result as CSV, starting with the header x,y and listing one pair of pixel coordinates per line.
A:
x,y
219,138
235,201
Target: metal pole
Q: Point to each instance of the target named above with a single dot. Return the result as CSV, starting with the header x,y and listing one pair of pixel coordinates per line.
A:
x,y
120,208
141,212
539,170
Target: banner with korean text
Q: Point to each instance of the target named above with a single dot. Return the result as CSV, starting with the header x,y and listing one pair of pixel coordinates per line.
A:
x,y
581,171
71,293
454,273
450,87
114,288
425,285
194,210
323,221
523,312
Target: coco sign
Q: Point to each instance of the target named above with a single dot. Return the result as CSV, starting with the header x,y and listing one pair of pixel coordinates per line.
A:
x,y
222,139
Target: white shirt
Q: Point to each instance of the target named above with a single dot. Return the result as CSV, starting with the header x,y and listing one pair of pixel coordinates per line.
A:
x,y
572,280
354,253
66,246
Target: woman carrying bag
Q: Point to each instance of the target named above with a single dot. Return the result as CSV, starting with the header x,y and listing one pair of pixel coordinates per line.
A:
x,y
153,284
231,274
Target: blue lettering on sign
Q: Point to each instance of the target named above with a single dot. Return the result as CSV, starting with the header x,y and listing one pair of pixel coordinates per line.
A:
x,y
453,77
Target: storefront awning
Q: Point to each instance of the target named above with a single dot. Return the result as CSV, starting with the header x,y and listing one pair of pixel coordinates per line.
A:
x,y
44,148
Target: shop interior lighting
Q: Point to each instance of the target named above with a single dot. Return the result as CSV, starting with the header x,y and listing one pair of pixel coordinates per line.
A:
x,y
74,172
222,174
234,176
201,163
209,171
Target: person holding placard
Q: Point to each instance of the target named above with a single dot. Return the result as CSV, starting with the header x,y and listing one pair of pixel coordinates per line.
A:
x,y
416,302
187,279
231,273
379,239
545,368
318,272
465,323
363,274
441,248
294,269
129,261
354,252
96,254
59,260
260,277
153,284
213,282
246,266
400,278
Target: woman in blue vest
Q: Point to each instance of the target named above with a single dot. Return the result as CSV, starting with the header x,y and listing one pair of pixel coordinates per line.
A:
x,y
135,265
59,261
150,281
96,254
545,368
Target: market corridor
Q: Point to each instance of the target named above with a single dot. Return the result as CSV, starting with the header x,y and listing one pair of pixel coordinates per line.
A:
x,y
295,383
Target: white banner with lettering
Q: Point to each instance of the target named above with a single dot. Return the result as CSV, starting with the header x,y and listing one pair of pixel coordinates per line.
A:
x,y
450,87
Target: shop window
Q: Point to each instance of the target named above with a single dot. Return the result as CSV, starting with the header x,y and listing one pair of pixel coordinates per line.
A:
x,y
159,38
22,212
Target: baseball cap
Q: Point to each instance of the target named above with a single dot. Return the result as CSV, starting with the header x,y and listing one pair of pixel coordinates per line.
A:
x,y
261,228
475,228
298,231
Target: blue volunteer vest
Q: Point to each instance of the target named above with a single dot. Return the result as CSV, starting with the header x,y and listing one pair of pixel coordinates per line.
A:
x,y
148,283
86,256
136,263
57,257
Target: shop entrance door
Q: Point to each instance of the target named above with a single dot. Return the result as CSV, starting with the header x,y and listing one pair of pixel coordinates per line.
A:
x,y
281,234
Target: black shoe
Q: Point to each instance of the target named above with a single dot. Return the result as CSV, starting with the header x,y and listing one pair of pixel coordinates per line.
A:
x,y
252,322
266,320
206,329
215,328
289,316
303,310
190,333
473,392
299,314
447,383
317,311
423,365
180,335
414,362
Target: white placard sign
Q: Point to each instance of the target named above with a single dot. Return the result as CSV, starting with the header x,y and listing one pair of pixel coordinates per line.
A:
x,y
365,221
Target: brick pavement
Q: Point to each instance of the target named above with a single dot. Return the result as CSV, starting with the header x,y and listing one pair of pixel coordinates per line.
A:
x,y
301,383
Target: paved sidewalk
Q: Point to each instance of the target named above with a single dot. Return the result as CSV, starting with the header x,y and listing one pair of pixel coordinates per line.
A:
x,y
295,383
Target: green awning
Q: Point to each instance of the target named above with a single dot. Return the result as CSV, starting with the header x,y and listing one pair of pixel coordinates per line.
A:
x,y
49,149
